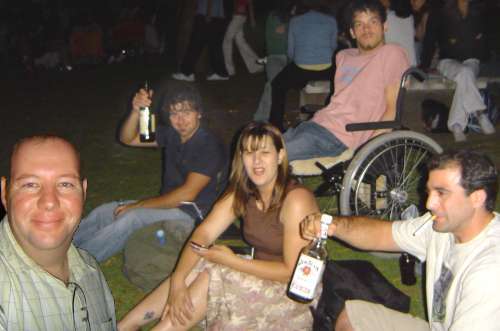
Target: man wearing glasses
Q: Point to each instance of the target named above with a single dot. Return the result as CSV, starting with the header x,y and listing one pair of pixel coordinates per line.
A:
x,y
194,164
45,282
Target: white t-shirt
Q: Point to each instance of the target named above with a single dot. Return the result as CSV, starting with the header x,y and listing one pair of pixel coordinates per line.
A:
x,y
463,280
401,31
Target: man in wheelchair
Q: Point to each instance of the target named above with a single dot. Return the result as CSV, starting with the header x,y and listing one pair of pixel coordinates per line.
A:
x,y
366,88
460,244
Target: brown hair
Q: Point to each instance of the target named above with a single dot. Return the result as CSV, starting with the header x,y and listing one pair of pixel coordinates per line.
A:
x,y
251,138
477,172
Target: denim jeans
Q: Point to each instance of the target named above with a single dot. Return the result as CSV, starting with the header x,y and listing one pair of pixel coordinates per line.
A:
x,y
103,235
275,63
309,140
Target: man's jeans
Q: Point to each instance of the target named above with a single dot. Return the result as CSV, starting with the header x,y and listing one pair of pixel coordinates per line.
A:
x,y
309,140
103,235
467,98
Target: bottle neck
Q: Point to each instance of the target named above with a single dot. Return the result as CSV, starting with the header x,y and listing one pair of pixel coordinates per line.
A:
x,y
318,243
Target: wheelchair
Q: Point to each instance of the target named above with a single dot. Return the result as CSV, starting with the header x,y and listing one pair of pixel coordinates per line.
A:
x,y
384,176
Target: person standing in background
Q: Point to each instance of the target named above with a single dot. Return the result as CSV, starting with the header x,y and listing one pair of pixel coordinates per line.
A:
x,y
243,9
401,27
208,30
276,48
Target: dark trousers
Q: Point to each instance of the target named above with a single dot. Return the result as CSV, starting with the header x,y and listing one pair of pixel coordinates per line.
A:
x,y
292,77
209,34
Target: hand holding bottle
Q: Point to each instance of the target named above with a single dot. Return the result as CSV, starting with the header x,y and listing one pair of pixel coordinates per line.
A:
x,y
142,99
310,227
310,265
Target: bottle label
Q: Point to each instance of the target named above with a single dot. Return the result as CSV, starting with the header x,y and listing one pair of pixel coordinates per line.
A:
x,y
306,277
144,121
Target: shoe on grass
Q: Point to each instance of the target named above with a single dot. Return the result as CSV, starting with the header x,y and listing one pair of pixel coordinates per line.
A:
x,y
458,133
262,61
181,76
485,124
217,77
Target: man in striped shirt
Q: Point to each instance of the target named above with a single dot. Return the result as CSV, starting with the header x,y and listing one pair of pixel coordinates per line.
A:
x,y
45,282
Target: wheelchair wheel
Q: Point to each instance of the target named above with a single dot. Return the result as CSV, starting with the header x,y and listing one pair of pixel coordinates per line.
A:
x,y
387,175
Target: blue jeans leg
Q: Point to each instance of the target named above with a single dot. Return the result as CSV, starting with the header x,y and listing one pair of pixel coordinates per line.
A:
x,y
103,235
310,140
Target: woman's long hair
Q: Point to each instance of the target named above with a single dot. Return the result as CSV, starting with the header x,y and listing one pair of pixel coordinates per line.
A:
x,y
251,139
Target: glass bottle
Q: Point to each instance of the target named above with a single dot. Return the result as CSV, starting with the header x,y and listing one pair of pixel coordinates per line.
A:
x,y
147,122
310,266
407,268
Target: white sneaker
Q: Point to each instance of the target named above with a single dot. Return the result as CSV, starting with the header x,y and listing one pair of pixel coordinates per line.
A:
x,y
217,77
262,61
181,76
458,133
485,124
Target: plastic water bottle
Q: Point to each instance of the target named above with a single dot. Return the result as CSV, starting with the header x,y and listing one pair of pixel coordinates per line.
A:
x,y
160,236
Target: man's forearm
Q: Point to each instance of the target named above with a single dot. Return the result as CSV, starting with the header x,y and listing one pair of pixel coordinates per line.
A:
x,y
171,199
129,129
365,233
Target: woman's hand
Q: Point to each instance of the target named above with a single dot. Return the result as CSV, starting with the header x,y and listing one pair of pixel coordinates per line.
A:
x,y
219,254
179,307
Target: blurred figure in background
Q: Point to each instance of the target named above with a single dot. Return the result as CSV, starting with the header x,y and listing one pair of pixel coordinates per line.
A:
x,y
243,9
276,48
420,9
457,30
401,27
208,30
312,40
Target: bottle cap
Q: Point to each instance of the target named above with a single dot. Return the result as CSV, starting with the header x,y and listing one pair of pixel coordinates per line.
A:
x,y
326,219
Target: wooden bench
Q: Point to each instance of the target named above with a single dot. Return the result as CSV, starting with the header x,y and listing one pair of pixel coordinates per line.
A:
x,y
316,92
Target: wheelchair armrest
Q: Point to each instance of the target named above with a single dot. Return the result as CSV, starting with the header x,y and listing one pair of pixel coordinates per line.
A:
x,y
373,126
419,74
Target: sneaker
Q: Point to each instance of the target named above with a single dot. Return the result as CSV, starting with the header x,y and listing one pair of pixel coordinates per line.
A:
x,y
485,124
181,76
458,133
217,77
262,61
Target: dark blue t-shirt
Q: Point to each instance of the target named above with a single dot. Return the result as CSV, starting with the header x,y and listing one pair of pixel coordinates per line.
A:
x,y
203,153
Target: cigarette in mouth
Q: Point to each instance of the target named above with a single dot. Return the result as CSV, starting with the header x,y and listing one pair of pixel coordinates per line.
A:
x,y
423,226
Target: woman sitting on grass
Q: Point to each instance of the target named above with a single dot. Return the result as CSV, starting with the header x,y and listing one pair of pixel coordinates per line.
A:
x,y
227,290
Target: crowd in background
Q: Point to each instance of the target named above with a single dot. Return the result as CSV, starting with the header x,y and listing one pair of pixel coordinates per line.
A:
x,y
58,34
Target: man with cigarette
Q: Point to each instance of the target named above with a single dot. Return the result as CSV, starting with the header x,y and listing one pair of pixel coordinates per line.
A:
x,y
194,171
460,243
